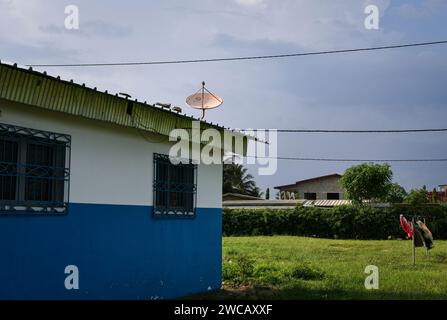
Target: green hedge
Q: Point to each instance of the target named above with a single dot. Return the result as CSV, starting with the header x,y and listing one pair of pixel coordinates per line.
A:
x,y
346,222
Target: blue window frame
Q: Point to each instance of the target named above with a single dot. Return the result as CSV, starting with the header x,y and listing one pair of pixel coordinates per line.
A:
x,y
34,170
175,188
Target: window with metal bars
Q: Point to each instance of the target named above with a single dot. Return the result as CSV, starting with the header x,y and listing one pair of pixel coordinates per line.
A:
x,y
34,170
174,188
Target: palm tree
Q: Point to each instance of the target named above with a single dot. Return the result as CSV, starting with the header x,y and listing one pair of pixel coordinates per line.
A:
x,y
236,179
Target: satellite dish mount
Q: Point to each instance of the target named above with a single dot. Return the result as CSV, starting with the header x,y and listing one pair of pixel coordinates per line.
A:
x,y
204,99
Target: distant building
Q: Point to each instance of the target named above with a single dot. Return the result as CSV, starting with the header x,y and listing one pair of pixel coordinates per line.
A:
x,y
238,196
326,187
441,193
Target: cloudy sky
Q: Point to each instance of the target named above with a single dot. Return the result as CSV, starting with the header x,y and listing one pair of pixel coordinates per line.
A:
x,y
403,88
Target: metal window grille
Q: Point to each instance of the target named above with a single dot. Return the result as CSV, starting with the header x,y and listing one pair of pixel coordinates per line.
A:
x,y
34,170
175,188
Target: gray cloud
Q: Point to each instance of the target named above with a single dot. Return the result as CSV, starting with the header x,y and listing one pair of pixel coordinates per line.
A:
x,y
392,89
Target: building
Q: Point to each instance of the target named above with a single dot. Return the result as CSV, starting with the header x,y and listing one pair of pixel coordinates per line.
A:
x,y
441,194
319,188
91,207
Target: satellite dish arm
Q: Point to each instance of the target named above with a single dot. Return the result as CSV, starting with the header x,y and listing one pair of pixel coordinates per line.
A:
x,y
203,98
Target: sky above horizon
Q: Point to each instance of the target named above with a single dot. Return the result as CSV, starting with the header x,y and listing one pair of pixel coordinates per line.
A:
x,y
393,89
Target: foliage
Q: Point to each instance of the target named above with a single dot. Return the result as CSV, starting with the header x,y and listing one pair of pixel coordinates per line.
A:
x,y
345,222
434,196
417,197
396,194
367,181
305,271
238,269
236,179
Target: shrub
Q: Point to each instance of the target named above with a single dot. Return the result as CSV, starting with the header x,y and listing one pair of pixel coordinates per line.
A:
x,y
238,269
229,272
346,222
306,272
268,274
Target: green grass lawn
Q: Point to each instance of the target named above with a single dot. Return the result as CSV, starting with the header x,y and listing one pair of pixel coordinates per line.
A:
x,y
282,267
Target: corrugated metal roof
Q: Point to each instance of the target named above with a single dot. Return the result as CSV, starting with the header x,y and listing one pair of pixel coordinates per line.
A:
x,y
51,93
330,203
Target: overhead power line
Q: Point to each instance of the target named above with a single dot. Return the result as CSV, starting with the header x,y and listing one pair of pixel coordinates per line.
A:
x,y
350,131
349,160
290,55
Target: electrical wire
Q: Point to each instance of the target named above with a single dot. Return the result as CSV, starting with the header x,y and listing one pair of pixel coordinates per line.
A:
x,y
349,160
290,55
349,131
136,125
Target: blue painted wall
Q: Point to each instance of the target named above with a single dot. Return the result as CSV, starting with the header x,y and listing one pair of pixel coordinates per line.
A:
x,y
120,250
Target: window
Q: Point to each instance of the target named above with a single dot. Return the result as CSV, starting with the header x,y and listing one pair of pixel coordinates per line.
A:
x,y
33,172
310,196
174,188
333,196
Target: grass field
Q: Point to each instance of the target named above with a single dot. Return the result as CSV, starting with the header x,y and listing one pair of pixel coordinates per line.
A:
x,y
282,267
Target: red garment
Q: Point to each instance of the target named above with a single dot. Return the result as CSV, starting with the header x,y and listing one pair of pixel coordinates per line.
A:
x,y
406,226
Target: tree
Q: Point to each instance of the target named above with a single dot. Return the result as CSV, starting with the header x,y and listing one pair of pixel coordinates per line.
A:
x,y
396,194
367,181
417,197
236,179
434,196
267,194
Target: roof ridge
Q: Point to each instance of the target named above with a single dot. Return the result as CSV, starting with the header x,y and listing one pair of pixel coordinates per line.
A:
x,y
309,179
106,92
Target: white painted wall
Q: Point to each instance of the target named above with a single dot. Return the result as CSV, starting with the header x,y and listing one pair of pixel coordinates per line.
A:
x,y
110,164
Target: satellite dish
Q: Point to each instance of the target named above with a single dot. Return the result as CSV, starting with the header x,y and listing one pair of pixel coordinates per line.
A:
x,y
204,100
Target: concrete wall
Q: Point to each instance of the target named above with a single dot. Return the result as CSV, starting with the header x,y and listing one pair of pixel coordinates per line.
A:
x,y
109,232
319,186
230,197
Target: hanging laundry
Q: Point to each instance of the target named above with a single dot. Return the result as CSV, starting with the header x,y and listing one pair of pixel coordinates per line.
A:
x,y
418,238
425,228
406,226
427,236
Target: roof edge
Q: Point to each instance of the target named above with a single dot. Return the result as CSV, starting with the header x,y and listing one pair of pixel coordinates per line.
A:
x,y
308,180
